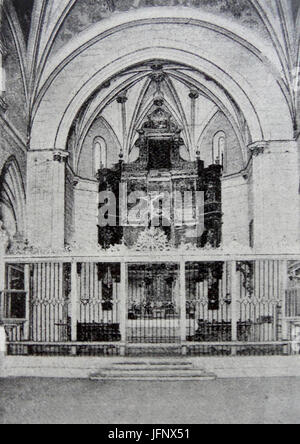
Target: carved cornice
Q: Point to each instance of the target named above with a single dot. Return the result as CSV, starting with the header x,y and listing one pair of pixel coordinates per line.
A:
x,y
60,156
257,148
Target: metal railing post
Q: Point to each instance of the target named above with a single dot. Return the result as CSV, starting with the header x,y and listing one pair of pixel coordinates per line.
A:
x,y
27,329
183,306
123,304
284,287
234,307
74,301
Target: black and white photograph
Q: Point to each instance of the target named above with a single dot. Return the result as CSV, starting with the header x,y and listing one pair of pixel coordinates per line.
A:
x,y
149,215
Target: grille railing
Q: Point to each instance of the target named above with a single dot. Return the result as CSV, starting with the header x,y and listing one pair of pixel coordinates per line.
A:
x,y
181,305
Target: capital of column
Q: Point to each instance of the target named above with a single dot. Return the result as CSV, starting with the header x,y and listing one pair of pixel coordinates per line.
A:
x,y
60,156
194,94
257,148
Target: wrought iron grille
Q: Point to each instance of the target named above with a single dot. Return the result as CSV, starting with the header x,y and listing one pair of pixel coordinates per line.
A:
x,y
49,314
293,302
208,301
108,309
99,288
260,302
153,303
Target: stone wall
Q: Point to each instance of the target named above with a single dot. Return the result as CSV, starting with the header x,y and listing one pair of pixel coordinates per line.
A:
x,y
235,211
86,213
276,196
85,165
233,154
46,205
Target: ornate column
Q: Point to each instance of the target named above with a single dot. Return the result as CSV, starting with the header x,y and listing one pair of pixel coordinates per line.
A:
x,y
193,95
122,99
275,196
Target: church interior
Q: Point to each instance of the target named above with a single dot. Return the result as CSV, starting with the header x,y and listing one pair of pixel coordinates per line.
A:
x,y
149,176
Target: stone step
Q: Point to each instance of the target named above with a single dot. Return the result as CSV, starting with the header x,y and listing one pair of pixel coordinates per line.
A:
x,y
168,378
153,370
152,375
142,371
153,366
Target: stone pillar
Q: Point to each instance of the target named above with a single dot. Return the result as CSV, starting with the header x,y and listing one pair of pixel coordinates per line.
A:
x,y
275,196
46,198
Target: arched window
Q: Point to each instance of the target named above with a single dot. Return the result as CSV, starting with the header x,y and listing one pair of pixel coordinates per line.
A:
x,y
219,149
99,154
